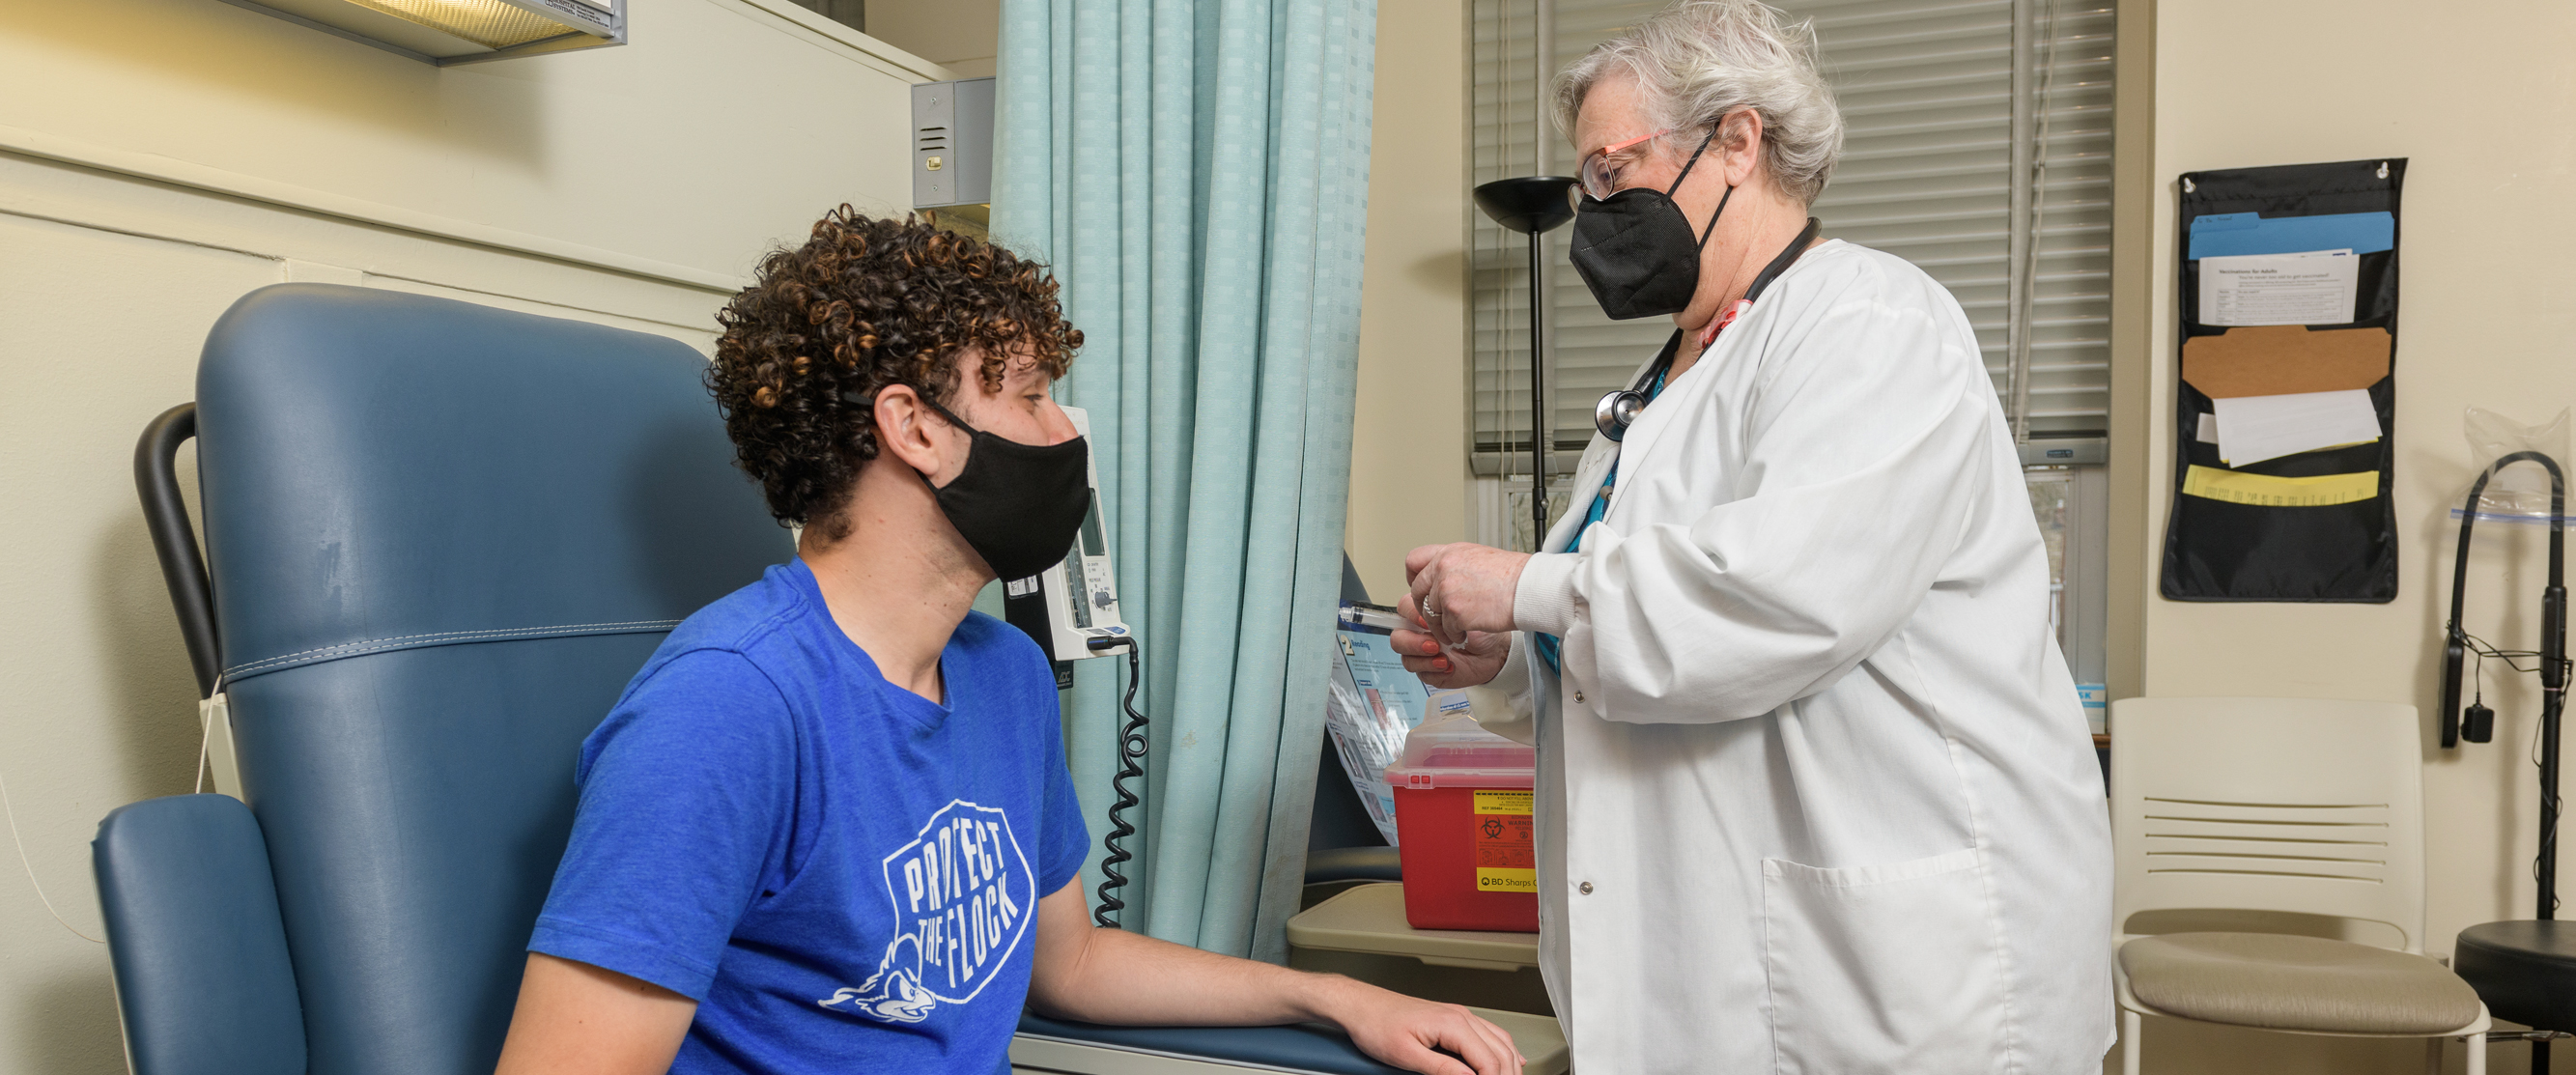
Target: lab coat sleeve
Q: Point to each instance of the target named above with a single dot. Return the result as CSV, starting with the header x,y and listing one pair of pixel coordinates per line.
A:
x,y
1867,442
1507,705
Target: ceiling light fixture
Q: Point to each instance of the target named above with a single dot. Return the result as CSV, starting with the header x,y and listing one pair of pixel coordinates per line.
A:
x,y
444,32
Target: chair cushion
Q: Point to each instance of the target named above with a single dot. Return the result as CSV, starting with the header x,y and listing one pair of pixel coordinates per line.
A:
x,y
2283,982
2526,970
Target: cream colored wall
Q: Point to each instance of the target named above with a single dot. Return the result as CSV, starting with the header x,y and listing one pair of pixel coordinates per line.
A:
x,y
2480,100
158,158
1409,431
961,35
2134,194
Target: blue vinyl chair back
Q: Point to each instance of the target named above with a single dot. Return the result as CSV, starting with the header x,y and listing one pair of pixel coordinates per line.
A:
x,y
441,538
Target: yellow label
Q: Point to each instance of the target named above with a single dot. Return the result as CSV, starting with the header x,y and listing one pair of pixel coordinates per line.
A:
x,y
2264,490
1505,879
1502,802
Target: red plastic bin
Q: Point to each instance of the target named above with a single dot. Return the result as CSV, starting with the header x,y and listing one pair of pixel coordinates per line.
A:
x,y
1466,832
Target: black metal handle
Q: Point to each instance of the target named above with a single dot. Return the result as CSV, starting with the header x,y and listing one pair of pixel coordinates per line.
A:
x,y
2454,656
2553,637
192,593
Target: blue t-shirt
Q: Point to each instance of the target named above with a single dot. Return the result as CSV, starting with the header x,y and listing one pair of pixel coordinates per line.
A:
x,y
840,872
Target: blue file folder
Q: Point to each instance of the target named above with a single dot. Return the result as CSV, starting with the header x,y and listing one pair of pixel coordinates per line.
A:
x,y
2219,235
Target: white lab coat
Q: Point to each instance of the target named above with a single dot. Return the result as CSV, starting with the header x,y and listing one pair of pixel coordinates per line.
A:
x,y
1816,794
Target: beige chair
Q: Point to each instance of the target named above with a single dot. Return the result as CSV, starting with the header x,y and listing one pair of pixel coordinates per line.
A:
x,y
2293,805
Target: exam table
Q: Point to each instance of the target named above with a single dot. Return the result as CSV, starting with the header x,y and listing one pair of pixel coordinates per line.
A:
x,y
439,538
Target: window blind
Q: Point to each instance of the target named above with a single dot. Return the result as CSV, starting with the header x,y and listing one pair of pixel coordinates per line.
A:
x,y
1978,146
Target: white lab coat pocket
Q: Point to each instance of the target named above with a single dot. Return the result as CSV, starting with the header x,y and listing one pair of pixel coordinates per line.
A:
x,y
1883,968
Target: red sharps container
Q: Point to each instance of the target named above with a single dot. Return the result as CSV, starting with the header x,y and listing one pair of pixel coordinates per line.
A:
x,y
1465,829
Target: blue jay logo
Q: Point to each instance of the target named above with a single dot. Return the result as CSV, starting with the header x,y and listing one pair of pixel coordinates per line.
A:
x,y
894,992
964,893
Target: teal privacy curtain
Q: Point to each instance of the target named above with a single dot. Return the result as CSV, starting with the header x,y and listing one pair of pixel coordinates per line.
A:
x,y
1197,173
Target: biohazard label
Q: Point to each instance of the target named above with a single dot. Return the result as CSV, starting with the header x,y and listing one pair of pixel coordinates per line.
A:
x,y
1506,859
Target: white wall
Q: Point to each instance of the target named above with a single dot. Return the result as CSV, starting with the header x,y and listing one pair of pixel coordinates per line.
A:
x,y
1409,431
2482,100
158,158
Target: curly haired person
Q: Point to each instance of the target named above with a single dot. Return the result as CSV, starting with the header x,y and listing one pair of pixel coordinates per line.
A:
x,y
828,827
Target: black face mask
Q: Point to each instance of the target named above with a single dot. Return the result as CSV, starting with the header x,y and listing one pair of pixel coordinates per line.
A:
x,y
1018,505
1635,251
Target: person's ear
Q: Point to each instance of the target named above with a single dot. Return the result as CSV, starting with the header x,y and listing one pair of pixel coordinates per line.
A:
x,y
1739,143
908,430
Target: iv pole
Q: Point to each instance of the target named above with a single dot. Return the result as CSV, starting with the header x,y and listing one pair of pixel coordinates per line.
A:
x,y
1533,205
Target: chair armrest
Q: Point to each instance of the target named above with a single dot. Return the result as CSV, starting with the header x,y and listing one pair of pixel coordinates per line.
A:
x,y
195,940
1300,1048
1061,1045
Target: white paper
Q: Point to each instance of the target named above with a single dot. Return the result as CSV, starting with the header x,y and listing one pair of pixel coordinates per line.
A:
x,y
2313,288
2208,432
2252,429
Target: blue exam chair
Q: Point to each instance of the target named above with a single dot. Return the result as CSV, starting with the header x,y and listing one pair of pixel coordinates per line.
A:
x,y
439,538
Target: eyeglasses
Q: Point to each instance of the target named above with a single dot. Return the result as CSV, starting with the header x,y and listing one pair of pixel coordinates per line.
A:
x,y
1600,179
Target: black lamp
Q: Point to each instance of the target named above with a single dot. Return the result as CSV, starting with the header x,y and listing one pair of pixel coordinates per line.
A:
x,y
2524,970
1532,205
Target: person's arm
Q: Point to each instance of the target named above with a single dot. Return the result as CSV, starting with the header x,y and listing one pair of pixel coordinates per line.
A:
x,y
1870,450
1097,975
685,789
577,1019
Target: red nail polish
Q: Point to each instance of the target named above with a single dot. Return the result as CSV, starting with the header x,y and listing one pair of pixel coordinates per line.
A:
x,y
1429,646
1440,665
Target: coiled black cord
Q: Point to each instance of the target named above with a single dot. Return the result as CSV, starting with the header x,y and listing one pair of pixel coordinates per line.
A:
x,y
1131,757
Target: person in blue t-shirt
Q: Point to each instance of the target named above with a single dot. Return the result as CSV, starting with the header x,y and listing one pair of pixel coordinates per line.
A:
x,y
829,828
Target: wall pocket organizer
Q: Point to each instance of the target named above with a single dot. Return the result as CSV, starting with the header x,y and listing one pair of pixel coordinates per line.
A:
x,y
2283,414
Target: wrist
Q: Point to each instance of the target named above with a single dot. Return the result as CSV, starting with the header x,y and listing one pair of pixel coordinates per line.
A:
x,y
1328,998
1511,593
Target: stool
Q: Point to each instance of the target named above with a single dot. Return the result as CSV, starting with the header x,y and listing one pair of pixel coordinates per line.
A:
x,y
2524,970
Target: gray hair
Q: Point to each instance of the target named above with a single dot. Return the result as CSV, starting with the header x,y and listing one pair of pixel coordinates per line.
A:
x,y
1699,60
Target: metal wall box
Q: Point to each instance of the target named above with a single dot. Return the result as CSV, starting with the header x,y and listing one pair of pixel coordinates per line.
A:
x,y
952,143
444,32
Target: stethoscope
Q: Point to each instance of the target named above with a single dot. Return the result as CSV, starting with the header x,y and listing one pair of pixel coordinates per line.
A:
x,y
1618,410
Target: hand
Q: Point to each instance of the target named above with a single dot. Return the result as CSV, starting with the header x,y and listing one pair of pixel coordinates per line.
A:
x,y
1402,1031
1474,663
1462,588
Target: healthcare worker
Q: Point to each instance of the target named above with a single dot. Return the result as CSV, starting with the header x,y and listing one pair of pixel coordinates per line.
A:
x,y
1815,790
